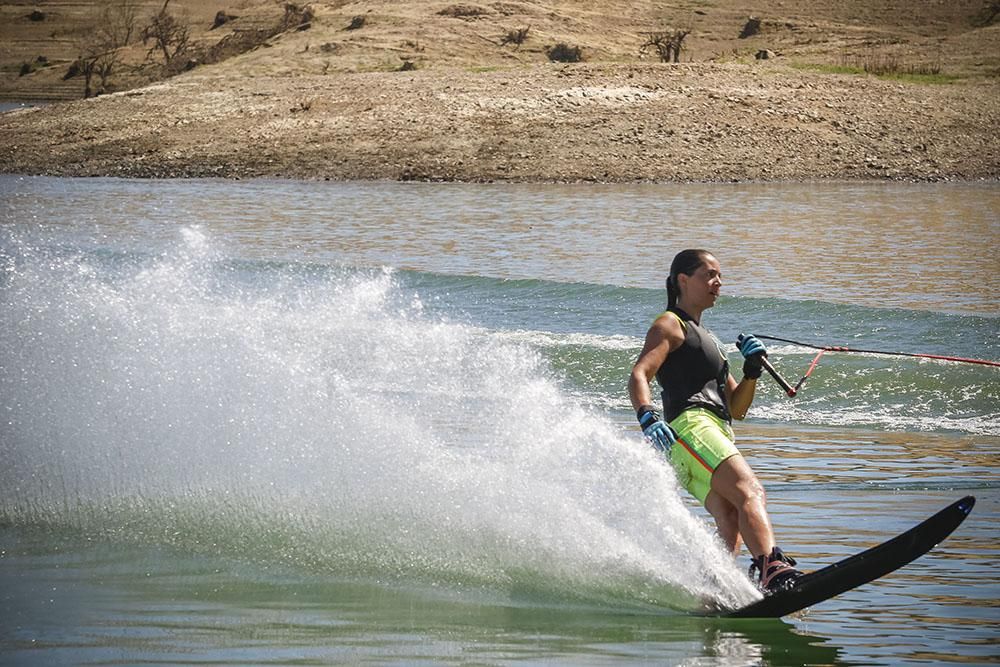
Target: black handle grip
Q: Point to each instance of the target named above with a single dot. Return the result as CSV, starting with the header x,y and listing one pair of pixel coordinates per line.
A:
x,y
789,389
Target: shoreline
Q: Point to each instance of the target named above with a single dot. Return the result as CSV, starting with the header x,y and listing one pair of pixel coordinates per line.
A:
x,y
601,123
944,180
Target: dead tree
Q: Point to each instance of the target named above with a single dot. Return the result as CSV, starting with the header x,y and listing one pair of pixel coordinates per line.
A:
x,y
99,51
168,35
667,45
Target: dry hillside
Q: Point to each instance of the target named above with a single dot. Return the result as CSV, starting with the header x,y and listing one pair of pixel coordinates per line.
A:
x,y
442,90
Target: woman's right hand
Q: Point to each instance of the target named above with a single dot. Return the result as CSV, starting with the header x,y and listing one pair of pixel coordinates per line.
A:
x,y
659,434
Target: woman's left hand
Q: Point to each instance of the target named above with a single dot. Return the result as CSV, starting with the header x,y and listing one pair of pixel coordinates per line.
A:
x,y
753,352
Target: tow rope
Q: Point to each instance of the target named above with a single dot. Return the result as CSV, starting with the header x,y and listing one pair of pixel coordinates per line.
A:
x,y
823,349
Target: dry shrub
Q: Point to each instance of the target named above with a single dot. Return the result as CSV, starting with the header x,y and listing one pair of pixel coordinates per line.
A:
x,y
221,19
463,11
751,28
299,18
39,63
564,53
516,36
987,14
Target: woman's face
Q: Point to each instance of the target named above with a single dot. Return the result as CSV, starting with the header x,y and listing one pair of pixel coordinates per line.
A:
x,y
702,287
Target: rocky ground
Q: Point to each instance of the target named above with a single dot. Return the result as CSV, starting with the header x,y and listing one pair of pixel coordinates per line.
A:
x,y
324,102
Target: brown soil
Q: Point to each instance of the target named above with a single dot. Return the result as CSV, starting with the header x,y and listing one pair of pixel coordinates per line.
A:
x,y
326,102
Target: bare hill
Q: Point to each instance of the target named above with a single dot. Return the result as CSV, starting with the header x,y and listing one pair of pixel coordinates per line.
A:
x,y
468,91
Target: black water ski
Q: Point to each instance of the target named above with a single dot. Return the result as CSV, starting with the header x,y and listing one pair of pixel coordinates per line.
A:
x,y
861,568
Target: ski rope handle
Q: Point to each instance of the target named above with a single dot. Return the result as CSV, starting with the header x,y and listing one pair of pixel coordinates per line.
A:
x,y
823,349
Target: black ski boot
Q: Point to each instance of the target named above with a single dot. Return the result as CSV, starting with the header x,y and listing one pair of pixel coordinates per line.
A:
x,y
774,572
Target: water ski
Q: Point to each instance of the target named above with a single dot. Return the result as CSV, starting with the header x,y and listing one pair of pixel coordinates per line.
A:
x,y
858,569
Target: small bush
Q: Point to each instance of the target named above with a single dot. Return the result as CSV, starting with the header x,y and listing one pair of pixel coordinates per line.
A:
x,y
516,37
75,69
564,53
299,18
462,11
221,19
987,14
751,28
39,63
356,23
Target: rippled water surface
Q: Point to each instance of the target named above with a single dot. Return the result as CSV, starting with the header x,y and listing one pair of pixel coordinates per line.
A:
x,y
922,246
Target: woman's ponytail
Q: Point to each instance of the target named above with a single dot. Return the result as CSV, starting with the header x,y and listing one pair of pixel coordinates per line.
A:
x,y
671,292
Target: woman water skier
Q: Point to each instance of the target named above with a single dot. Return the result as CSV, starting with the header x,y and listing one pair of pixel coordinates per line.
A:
x,y
700,398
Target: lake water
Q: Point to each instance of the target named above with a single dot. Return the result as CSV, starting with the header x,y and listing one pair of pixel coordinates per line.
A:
x,y
288,422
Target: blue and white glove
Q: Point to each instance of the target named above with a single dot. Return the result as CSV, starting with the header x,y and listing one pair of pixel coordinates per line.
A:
x,y
753,352
656,431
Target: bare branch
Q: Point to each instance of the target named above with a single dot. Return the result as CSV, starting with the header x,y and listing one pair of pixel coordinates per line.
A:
x,y
99,50
168,35
667,44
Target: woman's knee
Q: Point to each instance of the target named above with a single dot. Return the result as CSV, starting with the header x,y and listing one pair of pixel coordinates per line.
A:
x,y
736,481
751,491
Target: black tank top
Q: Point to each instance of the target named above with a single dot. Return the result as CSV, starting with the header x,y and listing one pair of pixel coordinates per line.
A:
x,y
695,374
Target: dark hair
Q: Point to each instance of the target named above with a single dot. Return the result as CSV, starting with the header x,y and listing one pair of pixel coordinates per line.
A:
x,y
686,262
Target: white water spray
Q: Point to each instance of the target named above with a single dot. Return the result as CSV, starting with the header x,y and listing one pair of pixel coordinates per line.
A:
x,y
319,418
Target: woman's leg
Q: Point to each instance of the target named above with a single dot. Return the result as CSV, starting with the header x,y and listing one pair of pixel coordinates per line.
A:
x,y
727,520
735,483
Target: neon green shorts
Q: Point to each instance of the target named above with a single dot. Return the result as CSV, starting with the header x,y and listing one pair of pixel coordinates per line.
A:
x,y
704,441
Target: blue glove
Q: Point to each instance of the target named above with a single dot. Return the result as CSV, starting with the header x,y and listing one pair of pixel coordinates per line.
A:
x,y
656,431
753,352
